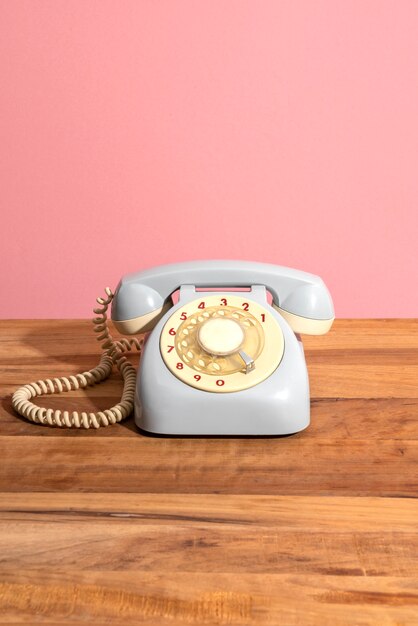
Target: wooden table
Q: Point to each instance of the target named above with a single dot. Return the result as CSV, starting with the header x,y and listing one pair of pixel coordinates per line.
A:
x,y
112,526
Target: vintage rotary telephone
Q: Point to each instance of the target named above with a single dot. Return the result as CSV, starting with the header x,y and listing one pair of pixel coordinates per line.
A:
x,y
217,362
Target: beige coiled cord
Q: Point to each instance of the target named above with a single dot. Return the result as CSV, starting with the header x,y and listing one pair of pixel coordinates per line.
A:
x,y
113,354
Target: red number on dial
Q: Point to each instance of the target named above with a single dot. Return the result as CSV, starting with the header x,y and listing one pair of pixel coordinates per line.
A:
x,y
179,366
201,305
224,302
171,331
263,317
220,382
183,316
245,306
197,377
170,348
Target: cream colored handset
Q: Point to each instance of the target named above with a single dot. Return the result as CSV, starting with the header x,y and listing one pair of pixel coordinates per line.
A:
x,y
218,362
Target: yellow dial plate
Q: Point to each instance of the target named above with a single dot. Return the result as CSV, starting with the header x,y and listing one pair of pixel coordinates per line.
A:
x,y
201,343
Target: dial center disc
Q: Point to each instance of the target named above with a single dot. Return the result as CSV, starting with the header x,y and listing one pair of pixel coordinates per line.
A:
x,y
220,336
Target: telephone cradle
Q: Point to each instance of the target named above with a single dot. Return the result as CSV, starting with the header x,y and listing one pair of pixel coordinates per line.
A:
x,y
221,360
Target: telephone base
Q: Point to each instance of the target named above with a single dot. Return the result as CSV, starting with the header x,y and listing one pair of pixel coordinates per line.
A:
x,y
256,420
279,405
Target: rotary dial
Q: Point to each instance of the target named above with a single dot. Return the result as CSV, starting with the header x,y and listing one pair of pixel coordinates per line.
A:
x,y
222,344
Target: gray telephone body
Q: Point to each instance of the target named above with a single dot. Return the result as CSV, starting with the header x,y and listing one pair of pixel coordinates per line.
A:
x,y
178,390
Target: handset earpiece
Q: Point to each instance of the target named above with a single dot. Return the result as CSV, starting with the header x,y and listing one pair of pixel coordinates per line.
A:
x,y
308,308
136,308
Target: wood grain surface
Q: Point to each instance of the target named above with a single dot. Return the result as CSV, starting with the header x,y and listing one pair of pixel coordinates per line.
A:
x,y
117,527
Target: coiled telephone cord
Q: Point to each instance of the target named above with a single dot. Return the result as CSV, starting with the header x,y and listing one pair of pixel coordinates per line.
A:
x,y
113,354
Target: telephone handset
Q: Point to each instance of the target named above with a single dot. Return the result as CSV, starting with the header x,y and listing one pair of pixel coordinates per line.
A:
x,y
302,299
217,362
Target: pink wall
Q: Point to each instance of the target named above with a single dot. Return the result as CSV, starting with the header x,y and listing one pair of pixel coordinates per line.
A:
x,y
136,133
